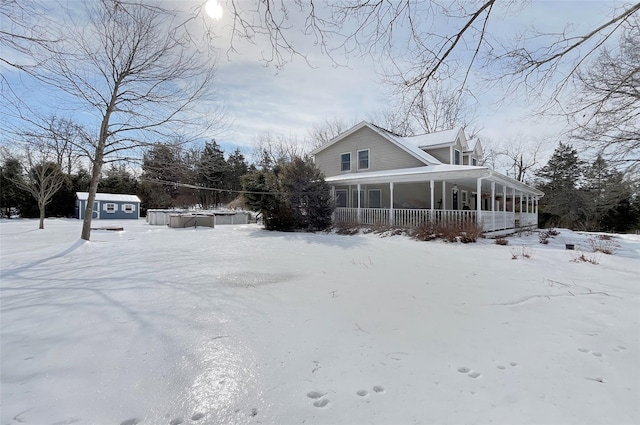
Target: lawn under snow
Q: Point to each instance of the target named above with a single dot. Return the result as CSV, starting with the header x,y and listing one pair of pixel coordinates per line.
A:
x,y
237,325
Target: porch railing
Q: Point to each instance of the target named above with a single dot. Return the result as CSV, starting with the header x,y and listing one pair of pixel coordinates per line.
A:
x,y
408,218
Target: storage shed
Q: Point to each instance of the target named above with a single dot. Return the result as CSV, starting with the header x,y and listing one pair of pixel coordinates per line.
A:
x,y
108,206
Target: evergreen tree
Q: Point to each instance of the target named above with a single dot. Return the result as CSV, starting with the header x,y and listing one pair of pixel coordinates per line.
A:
x,y
118,179
291,196
563,201
13,199
604,189
237,167
211,170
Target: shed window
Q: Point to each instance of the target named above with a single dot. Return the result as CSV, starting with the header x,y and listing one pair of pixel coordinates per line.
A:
x,y
128,208
110,208
456,157
345,162
363,160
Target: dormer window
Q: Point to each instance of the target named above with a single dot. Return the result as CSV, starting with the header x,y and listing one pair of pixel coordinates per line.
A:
x,y
345,162
456,157
363,159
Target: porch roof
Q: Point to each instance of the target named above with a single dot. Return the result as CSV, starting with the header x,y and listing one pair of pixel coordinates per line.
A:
x,y
466,175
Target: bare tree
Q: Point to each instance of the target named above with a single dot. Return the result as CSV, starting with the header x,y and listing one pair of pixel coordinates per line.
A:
x,y
139,69
607,102
42,176
440,40
323,132
276,149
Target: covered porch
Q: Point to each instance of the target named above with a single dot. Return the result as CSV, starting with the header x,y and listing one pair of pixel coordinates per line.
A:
x,y
442,193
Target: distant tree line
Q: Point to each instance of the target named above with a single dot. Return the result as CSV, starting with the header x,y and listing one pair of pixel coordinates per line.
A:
x,y
170,176
590,196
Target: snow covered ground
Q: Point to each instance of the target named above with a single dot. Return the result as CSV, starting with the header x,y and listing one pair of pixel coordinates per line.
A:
x,y
236,325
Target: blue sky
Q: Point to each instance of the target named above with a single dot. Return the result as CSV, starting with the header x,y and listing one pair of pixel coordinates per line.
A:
x,y
291,100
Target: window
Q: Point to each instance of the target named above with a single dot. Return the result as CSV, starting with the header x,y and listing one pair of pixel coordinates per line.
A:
x,y
128,208
474,161
456,157
363,160
375,198
341,198
354,199
345,162
110,208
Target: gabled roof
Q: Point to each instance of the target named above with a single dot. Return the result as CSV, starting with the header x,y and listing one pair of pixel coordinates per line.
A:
x,y
436,139
115,197
474,144
411,149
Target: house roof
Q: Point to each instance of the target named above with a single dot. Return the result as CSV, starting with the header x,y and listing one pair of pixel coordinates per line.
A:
x,y
462,174
411,149
436,139
115,197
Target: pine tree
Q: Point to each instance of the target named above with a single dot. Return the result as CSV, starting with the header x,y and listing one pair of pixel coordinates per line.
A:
x,y
563,201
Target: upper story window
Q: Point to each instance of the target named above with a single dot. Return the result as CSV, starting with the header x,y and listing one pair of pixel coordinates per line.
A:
x,y
363,159
345,162
456,157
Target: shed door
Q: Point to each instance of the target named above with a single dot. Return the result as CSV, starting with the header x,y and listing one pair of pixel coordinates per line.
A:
x,y
96,210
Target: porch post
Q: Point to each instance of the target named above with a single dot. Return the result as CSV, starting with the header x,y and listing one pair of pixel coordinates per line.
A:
x,y
391,221
504,207
527,203
358,196
431,187
444,195
333,196
479,202
513,200
521,206
493,206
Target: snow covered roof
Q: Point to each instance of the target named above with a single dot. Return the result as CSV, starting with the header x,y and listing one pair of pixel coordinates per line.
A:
x,y
461,173
430,140
116,197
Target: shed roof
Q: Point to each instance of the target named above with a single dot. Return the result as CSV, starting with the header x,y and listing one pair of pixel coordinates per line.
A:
x,y
115,197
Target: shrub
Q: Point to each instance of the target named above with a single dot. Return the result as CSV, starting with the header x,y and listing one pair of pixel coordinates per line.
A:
x,y
603,243
449,231
346,228
502,241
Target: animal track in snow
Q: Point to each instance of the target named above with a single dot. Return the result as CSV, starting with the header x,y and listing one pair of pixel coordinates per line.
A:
x,y
315,394
197,416
362,393
321,403
501,367
378,389
513,364
176,421
132,421
469,372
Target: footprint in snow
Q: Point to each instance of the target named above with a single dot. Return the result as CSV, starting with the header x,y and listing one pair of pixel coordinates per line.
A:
x,y
378,388
197,416
474,375
321,403
176,421
464,369
362,393
132,421
315,394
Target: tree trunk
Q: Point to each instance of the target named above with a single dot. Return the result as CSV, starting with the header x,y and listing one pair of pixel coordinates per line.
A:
x,y
41,207
93,189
